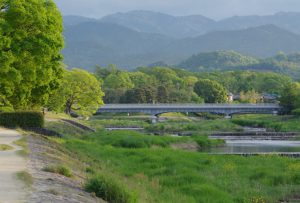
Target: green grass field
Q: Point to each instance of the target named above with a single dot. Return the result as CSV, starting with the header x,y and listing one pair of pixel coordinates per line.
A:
x,y
125,166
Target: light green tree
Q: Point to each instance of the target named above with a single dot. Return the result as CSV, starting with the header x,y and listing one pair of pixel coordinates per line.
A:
x,y
80,92
30,44
211,91
290,96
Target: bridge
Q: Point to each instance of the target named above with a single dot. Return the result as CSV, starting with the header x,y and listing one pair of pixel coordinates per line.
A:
x,y
226,109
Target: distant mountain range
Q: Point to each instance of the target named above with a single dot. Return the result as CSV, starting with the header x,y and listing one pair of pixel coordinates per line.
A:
x,y
139,38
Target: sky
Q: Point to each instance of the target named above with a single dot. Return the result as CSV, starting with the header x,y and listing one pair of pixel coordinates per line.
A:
x,y
216,9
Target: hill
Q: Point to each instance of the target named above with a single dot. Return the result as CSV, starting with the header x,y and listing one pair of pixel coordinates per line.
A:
x,y
219,60
230,60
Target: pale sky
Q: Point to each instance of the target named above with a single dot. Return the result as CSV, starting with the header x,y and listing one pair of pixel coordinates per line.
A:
x,y
216,9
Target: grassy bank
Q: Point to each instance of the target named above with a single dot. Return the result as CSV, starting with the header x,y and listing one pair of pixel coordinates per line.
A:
x,y
127,166
275,123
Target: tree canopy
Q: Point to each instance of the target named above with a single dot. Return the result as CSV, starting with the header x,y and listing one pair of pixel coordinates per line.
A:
x,y
30,44
211,91
79,93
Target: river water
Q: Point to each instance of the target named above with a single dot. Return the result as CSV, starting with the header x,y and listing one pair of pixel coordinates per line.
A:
x,y
257,146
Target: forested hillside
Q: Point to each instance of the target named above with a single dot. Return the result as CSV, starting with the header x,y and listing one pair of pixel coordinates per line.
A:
x,y
230,60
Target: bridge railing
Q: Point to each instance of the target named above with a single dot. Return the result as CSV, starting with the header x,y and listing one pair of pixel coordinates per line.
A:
x,y
188,105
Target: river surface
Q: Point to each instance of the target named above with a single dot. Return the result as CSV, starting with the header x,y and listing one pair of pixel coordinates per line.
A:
x,y
257,146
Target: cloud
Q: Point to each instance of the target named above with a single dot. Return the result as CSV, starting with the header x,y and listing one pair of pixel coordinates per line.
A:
x,y
211,8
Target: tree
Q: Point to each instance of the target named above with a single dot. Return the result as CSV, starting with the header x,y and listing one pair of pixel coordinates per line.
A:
x,y
80,93
30,44
211,91
162,94
290,96
143,95
250,97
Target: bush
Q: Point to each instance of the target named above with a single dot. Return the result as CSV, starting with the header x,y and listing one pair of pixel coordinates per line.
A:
x,y
296,112
110,190
22,119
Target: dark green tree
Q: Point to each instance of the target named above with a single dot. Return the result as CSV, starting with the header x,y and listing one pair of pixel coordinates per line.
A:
x,y
211,91
162,94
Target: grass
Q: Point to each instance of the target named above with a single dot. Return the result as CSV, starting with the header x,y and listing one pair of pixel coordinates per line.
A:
x,y
203,126
4,147
24,144
25,177
177,176
275,123
126,166
110,189
58,169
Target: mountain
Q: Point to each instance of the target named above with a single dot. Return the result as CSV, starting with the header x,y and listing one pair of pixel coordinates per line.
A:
x,y
260,41
92,43
286,20
190,26
154,22
75,20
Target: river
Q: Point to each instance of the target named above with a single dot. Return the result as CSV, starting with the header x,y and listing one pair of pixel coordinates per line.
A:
x,y
257,146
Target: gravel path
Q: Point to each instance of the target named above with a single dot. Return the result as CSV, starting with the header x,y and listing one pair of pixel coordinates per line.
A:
x,y
11,189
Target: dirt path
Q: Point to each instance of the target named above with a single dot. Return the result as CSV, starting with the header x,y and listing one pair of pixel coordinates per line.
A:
x,y
11,189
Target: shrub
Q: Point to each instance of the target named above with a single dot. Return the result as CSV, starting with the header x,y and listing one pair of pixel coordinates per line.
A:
x,y
62,170
296,112
22,119
110,190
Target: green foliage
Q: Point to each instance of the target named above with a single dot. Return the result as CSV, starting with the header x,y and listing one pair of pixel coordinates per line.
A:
x,y
110,190
296,112
22,119
30,59
244,81
59,169
140,95
80,92
211,91
290,96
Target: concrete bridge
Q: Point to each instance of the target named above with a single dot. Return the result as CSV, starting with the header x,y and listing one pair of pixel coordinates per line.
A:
x,y
226,109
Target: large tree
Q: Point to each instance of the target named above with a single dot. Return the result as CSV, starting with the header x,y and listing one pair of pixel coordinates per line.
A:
x,y
211,91
80,93
30,44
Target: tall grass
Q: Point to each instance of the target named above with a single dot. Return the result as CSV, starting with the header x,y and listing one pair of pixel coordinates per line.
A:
x,y
167,175
275,123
